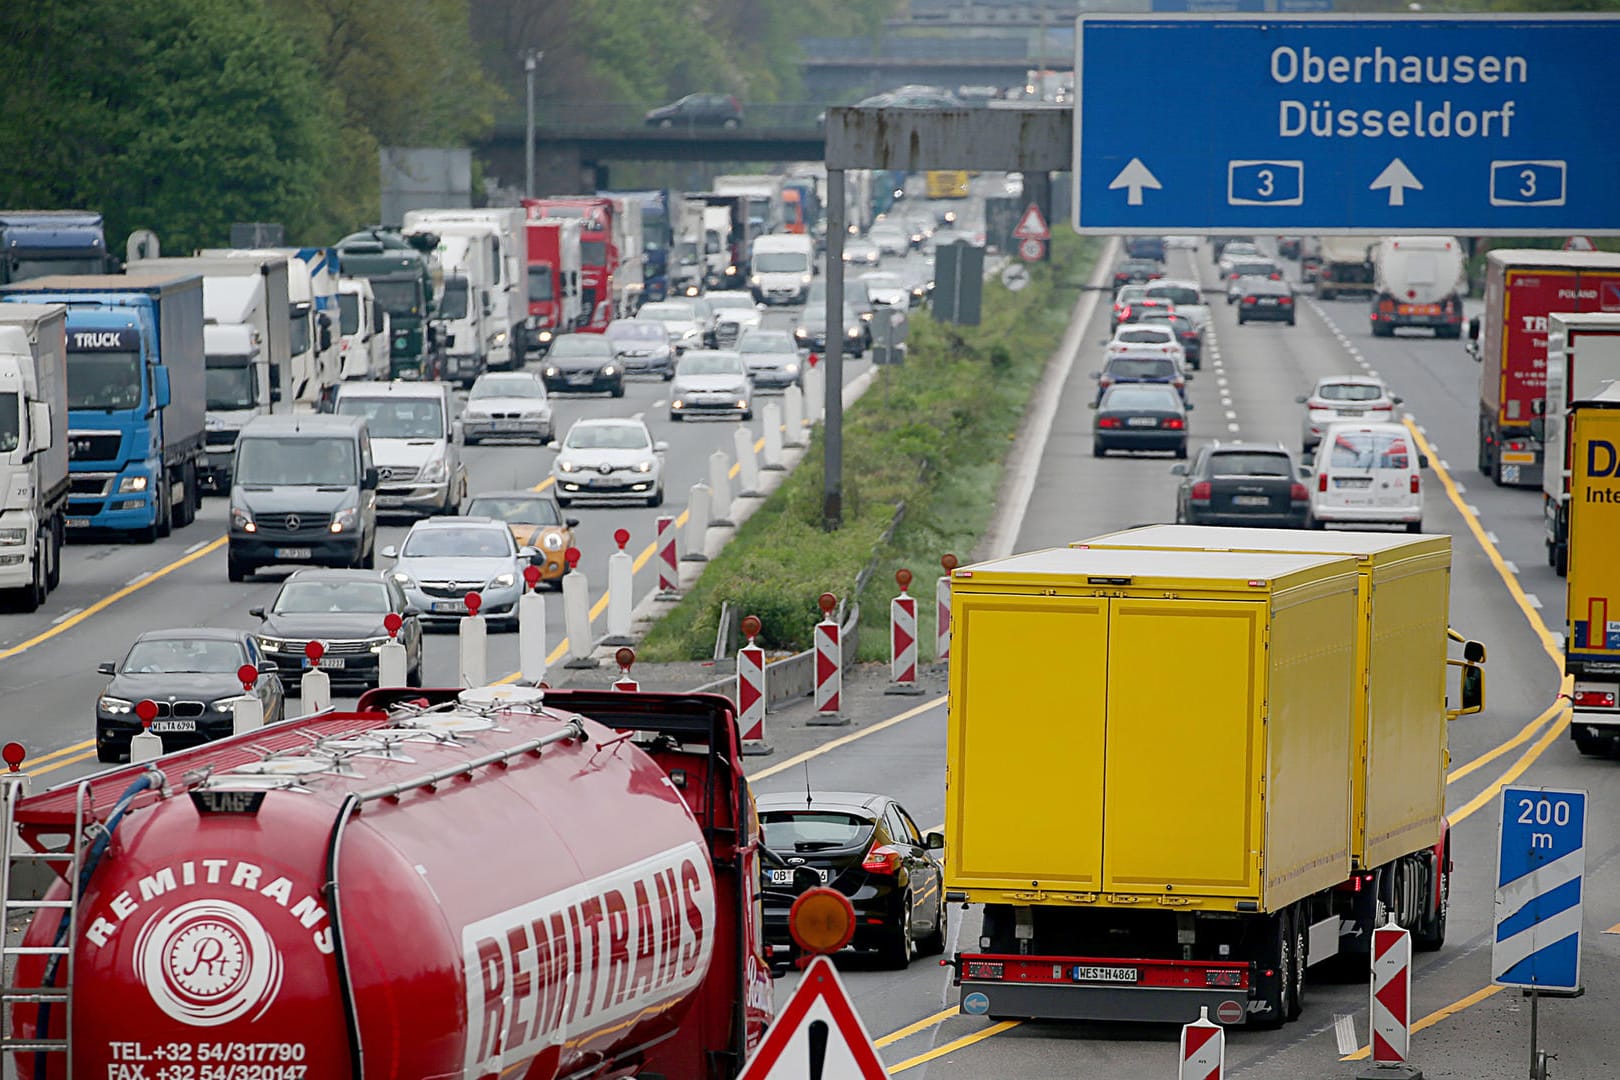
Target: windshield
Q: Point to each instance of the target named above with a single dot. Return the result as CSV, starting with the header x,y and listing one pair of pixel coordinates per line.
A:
x,y
1369,450
180,657
1140,397
1249,464
1349,392
1130,292
10,423
397,417
453,304
586,345
653,228
882,281
507,386
708,364
462,543
104,380
23,269
399,297
768,342
300,334
1131,367
593,253
787,830
636,330
524,511
1176,294
539,282
229,387
348,313
668,312
1253,269
332,597
781,262
295,460
607,437
688,252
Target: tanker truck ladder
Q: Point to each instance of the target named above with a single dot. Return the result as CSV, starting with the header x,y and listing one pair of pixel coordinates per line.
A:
x,y
68,862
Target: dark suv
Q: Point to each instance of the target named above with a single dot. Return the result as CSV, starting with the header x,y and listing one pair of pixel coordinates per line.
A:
x,y
1242,484
698,110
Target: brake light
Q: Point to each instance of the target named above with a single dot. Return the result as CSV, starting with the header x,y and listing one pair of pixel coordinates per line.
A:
x,y
984,969
1414,483
1285,300
1276,277
1248,299
1386,305
1321,482
1516,444
1227,978
1596,699
1200,491
1174,423
1298,493
1108,421
882,860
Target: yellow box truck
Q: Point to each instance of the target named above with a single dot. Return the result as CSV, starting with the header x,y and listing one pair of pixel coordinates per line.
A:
x,y
1592,639
1157,786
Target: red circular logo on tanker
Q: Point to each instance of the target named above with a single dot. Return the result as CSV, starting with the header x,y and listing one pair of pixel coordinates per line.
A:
x,y
208,962
1229,1012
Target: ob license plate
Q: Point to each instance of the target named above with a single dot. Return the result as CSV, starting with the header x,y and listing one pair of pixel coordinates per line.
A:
x,y
78,523
333,663
449,607
1143,421
174,725
785,877
1250,500
292,553
1088,973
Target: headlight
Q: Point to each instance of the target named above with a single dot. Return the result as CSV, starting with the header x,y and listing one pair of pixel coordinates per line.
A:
x,y
115,705
565,465
690,333
345,519
545,336
608,369
677,404
551,372
502,581
499,338
742,403
552,541
800,332
404,579
227,704
691,290
536,414
375,644
804,279
13,537
731,271
435,471
866,316
853,331
645,466
270,644
242,518
791,369
131,483
753,279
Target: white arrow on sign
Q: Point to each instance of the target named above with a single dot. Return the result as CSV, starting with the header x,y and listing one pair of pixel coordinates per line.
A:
x,y
1397,178
1133,178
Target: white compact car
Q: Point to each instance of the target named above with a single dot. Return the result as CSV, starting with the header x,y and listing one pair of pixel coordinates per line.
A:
x,y
1361,398
1367,474
611,459
1140,338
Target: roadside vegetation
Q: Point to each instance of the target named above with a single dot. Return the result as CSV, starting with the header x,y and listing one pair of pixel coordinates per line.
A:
x,y
933,433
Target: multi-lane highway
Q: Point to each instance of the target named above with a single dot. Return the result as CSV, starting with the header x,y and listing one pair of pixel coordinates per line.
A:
x,y
1502,593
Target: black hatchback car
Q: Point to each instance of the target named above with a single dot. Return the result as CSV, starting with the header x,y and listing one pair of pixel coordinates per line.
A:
x,y
1264,300
346,611
698,110
868,848
1242,484
190,674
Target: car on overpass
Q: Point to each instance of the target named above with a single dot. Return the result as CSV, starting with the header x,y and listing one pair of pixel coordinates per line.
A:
x,y
698,110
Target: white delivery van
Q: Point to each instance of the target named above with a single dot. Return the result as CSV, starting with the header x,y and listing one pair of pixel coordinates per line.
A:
x,y
782,266
1367,474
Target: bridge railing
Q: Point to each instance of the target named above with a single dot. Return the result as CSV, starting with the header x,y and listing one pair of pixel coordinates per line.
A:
x,y
619,116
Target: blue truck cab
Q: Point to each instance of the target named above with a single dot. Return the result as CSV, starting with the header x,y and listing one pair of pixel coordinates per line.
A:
x,y
657,238
136,397
34,243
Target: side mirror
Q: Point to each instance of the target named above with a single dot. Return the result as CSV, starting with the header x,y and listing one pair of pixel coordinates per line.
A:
x,y
572,523
1091,404
1473,689
411,613
107,667
1304,472
42,436
1396,398
1473,327
1096,374
275,394
1189,376
267,667
1423,461
1191,406
389,552
1178,469
1474,652
806,878
934,841
370,481
326,333
660,446
256,612
160,386
1301,399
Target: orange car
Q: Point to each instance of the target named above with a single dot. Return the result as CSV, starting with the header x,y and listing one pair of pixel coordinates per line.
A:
x,y
535,520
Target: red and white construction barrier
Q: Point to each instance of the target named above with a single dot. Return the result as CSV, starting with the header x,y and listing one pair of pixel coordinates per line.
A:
x,y
1203,1049
942,611
144,745
1391,994
903,638
829,665
669,560
751,690
626,658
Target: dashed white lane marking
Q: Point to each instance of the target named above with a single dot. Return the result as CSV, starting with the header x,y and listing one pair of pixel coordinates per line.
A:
x,y
138,578
198,546
65,616
1492,538
1220,380
659,404
1446,465
1513,567
1462,489
1233,428
1533,600
1472,509
1230,415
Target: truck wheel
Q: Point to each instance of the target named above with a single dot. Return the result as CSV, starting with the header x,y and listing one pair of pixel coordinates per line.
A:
x,y
1560,560
1591,745
1276,991
164,525
236,571
32,595
1297,930
897,948
53,570
1431,932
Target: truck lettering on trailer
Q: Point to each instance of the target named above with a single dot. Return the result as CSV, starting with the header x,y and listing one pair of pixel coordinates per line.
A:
x,y
105,340
587,957
212,873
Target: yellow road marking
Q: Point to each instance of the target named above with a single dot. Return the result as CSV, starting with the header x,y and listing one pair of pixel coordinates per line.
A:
x,y
1615,929
954,1045
824,748
59,753
1525,734
542,485
108,601
64,762
1527,759
1435,1017
911,1029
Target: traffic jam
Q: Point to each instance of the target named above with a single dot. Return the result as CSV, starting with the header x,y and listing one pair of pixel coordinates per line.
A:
x,y
323,571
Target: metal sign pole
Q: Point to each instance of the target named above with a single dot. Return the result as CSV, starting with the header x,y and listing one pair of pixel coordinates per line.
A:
x,y
832,497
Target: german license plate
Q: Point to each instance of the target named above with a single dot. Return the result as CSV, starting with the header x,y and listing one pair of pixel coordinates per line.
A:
x,y
1089,973
293,553
581,380
333,663
78,523
449,607
1355,413
160,726
1143,421
1267,301
1352,481
1519,457
1418,309
508,425
785,877
1250,500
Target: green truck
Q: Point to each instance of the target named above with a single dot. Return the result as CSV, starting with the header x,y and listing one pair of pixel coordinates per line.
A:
x,y
406,279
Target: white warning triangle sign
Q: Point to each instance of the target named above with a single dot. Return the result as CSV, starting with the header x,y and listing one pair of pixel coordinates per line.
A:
x,y
818,1036
1032,226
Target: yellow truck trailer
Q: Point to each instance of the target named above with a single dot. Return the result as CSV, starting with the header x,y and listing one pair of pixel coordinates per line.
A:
x,y
1592,640
1154,760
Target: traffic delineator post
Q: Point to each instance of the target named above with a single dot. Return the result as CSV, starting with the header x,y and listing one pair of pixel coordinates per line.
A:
x,y
751,690
669,563
392,664
474,635
532,629
903,638
626,659
144,745
247,711
697,522
829,661
773,437
314,686
719,489
747,461
576,589
815,390
942,610
620,585
792,417
1203,1049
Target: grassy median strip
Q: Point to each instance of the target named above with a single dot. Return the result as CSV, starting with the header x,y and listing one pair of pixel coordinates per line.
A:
x,y
934,433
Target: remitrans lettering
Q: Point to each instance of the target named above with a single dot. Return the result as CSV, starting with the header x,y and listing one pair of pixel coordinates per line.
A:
x,y
588,957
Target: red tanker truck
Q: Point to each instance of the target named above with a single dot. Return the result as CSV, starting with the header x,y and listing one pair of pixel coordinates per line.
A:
x,y
422,888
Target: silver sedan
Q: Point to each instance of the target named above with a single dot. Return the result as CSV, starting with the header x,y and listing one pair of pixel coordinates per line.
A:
x,y
508,405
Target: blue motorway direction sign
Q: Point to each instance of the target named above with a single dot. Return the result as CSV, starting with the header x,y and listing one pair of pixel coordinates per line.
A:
x,y
1288,123
1540,871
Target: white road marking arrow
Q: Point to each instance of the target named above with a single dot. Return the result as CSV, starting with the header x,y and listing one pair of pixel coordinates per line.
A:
x,y
1397,178
1133,178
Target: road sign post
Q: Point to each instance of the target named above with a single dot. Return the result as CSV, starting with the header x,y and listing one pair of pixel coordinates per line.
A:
x,y
1467,124
1540,876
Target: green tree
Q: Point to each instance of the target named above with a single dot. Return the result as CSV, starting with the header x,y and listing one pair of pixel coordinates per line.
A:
x,y
177,115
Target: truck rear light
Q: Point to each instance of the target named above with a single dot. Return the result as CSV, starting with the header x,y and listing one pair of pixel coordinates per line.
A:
x,y
1415,484
984,969
1595,699
882,859
1224,977
1297,493
1201,491
1515,444
1321,482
